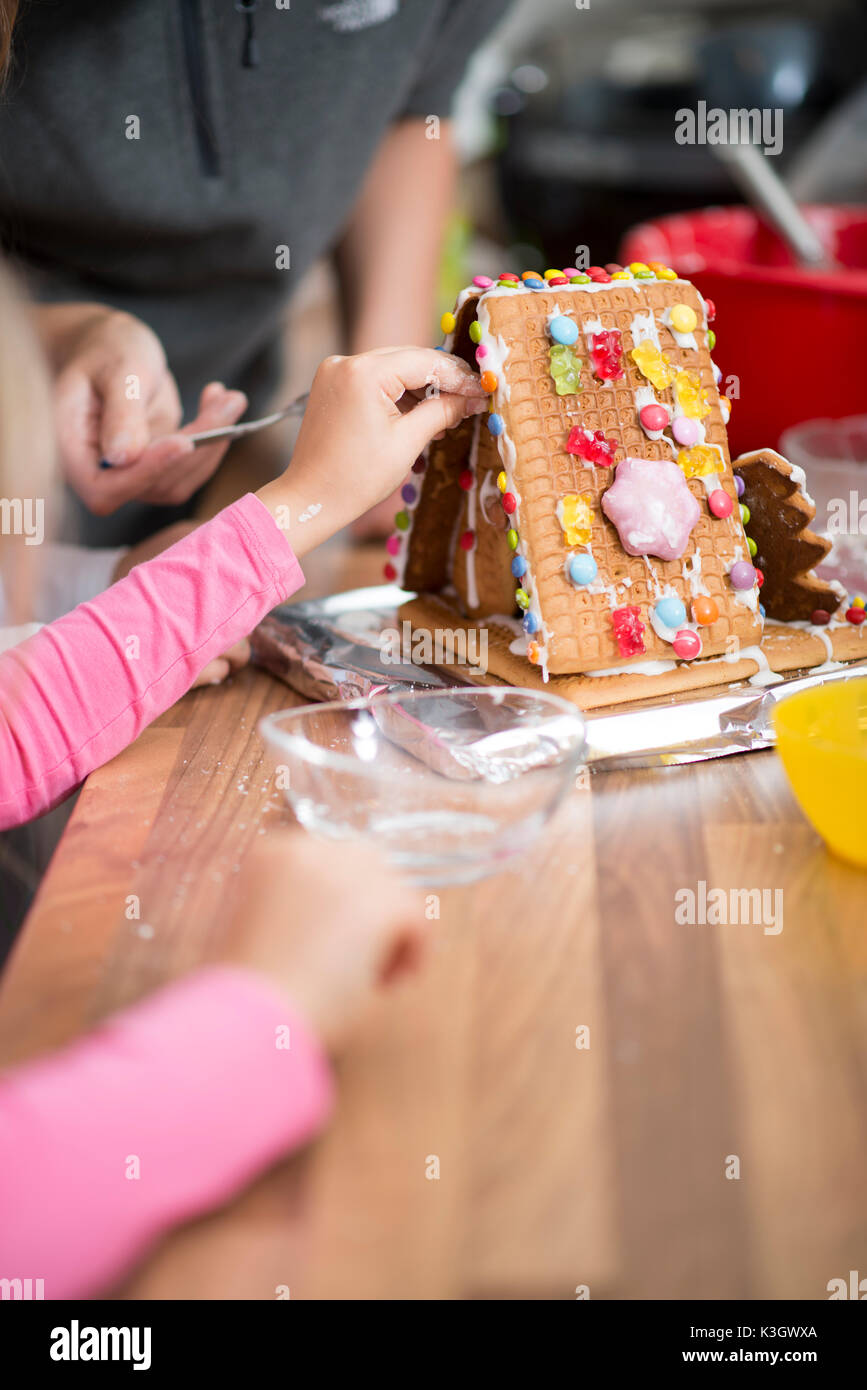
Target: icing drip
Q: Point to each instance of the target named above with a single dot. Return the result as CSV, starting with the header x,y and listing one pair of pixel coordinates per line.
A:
x,y
764,675
497,354
643,329
683,340
470,555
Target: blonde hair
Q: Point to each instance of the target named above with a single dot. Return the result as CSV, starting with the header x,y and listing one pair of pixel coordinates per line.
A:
x,y
27,450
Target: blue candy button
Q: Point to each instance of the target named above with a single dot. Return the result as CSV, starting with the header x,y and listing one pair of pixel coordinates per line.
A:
x,y
582,569
670,612
563,330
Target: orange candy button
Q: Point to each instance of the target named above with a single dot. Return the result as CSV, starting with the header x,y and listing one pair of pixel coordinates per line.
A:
x,y
489,382
705,610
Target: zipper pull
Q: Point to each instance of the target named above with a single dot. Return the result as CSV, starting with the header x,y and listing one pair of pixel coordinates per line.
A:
x,y
250,57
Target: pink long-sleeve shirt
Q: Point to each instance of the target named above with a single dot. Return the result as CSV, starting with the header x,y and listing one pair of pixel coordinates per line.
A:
x,y
176,1103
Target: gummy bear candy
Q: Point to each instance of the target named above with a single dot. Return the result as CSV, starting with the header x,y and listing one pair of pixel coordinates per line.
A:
x,y
593,448
653,364
575,515
628,629
606,354
700,461
565,369
691,395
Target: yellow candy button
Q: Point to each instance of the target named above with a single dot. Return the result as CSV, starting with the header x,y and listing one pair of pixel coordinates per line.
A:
x,y
683,319
448,323
636,266
621,275
553,274
502,482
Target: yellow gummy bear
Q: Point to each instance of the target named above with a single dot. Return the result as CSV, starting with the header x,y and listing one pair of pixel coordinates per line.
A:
x,y
700,461
576,517
691,395
653,364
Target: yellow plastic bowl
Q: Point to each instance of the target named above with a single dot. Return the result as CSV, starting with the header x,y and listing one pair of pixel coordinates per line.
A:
x,y
822,740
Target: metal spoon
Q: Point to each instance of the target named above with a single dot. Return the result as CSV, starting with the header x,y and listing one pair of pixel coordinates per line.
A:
x,y
296,407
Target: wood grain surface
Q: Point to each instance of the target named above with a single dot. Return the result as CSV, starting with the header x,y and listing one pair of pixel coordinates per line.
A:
x,y
560,1167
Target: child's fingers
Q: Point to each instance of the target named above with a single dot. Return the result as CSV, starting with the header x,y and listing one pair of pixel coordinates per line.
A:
x,y
214,673
435,415
238,655
415,369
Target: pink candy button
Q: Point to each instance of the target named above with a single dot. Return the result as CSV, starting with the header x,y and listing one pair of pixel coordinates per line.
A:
x,y
685,431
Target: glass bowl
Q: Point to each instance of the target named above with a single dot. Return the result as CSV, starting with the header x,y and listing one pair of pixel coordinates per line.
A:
x,y
822,740
451,784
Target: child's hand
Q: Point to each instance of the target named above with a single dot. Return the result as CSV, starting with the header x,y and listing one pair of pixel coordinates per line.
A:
x,y
327,923
367,420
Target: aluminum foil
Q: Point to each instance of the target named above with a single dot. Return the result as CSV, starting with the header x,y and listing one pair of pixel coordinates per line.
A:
x,y
333,649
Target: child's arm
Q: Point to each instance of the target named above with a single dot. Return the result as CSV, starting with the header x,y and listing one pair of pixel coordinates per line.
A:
x,y
83,688
160,1115
171,1107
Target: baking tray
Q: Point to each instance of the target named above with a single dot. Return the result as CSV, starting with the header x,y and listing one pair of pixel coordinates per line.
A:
x,y
331,648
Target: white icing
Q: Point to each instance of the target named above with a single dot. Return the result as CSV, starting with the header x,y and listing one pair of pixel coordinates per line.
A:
x,y
663,632
640,668
764,675
799,477
683,340
643,329
472,587
508,456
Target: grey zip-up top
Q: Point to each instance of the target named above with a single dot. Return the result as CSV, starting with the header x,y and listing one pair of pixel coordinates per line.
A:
x,y
155,154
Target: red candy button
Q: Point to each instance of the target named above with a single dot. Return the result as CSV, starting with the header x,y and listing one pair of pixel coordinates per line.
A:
x,y
466,479
510,502
687,644
653,417
468,540
819,617
855,615
390,572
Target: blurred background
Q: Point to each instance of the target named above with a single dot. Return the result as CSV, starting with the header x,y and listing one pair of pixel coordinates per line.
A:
x,y
566,128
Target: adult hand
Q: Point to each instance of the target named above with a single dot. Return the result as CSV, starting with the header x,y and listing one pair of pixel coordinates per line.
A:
x,y
116,401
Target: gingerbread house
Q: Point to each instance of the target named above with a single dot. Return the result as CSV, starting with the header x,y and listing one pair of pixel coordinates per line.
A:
x,y
595,504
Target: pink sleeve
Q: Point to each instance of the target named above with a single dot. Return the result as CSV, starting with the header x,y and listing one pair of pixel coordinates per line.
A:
x,y
79,691
159,1116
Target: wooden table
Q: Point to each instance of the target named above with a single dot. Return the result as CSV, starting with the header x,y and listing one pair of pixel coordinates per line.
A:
x,y
560,1166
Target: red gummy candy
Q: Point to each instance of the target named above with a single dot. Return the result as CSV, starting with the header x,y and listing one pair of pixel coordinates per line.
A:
x,y
628,629
606,354
594,448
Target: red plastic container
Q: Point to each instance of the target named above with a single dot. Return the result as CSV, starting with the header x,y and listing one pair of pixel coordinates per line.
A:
x,y
796,339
